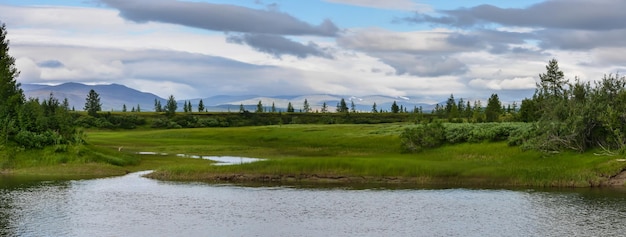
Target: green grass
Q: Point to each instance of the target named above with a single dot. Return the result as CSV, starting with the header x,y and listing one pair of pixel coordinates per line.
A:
x,y
320,153
368,152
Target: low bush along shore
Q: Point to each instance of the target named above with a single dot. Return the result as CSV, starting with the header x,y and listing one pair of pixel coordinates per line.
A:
x,y
354,154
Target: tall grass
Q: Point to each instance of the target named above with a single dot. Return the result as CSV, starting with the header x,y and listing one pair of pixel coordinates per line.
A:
x,y
363,153
310,153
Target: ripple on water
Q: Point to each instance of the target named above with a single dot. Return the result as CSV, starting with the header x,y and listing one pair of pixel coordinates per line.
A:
x,y
135,206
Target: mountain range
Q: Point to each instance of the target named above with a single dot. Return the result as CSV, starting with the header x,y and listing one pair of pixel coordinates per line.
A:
x,y
114,96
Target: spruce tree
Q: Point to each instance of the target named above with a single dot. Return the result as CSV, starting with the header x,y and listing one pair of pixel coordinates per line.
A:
x,y
395,108
171,106
306,107
494,109
259,107
290,108
200,106
92,103
11,95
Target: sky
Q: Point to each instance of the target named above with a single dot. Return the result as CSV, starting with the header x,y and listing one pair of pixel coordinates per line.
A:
x,y
420,49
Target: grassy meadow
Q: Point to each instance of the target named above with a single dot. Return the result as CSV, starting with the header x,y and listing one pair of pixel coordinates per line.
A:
x,y
346,154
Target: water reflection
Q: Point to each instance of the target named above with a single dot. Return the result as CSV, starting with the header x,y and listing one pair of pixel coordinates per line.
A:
x,y
221,160
136,206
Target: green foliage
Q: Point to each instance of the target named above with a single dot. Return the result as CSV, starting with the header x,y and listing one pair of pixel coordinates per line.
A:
x,y
342,107
422,137
395,108
157,106
494,109
11,95
92,103
290,108
201,106
171,106
259,107
578,116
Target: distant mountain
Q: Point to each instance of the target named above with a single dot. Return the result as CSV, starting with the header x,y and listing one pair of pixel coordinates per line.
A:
x,y
114,96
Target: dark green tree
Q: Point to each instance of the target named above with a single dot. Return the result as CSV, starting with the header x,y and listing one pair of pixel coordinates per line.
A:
x,y
290,108
11,95
494,109
259,107
374,109
157,106
171,106
273,107
552,81
342,107
306,107
395,108
352,106
324,107
124,108
452,110
201,106
138,108
92,103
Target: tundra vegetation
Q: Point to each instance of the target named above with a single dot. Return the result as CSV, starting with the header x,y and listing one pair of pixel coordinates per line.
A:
x,y
567,134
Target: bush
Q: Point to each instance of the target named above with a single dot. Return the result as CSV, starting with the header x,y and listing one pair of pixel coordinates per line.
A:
x,y
417,139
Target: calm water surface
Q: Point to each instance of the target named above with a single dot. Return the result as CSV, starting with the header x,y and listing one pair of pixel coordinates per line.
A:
x,y
136,206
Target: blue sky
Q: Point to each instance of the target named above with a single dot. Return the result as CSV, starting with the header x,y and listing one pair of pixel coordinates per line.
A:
x,y
423,50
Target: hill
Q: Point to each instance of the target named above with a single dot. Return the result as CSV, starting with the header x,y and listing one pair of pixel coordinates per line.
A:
x,y
114,96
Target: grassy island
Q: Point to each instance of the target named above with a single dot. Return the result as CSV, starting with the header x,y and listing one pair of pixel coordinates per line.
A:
x,y
313,154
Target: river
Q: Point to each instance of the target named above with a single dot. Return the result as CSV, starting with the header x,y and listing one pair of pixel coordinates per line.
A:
x,y
135,206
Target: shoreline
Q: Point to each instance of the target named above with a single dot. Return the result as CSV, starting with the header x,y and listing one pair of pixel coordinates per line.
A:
x,y
618,180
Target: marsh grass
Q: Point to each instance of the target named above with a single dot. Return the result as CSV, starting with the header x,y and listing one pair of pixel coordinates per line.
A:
x,y
356,153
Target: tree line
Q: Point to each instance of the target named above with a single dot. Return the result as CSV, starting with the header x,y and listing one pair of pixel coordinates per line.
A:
x,y
561,115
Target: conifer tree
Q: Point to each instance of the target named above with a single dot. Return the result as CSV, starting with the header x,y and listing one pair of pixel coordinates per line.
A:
x,y
171,106
259,107
306,107
92,103
201,106
11,95
290,108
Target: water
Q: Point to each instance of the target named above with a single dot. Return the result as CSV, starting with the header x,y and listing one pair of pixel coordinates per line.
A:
x,y
136,206
221,160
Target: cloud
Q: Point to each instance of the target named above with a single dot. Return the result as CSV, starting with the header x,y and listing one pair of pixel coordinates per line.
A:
x,y
419,53
581,39
382,40
407,5
425,66
278,45
219,17
518,83
50,64
598,15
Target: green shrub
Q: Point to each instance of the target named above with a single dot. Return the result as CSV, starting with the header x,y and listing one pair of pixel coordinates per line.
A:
x,y
418,138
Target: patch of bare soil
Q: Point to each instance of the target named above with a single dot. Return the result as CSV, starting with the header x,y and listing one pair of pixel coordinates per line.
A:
x,y
617,180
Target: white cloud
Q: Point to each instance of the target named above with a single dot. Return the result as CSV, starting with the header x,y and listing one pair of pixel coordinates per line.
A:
x,y
518,83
